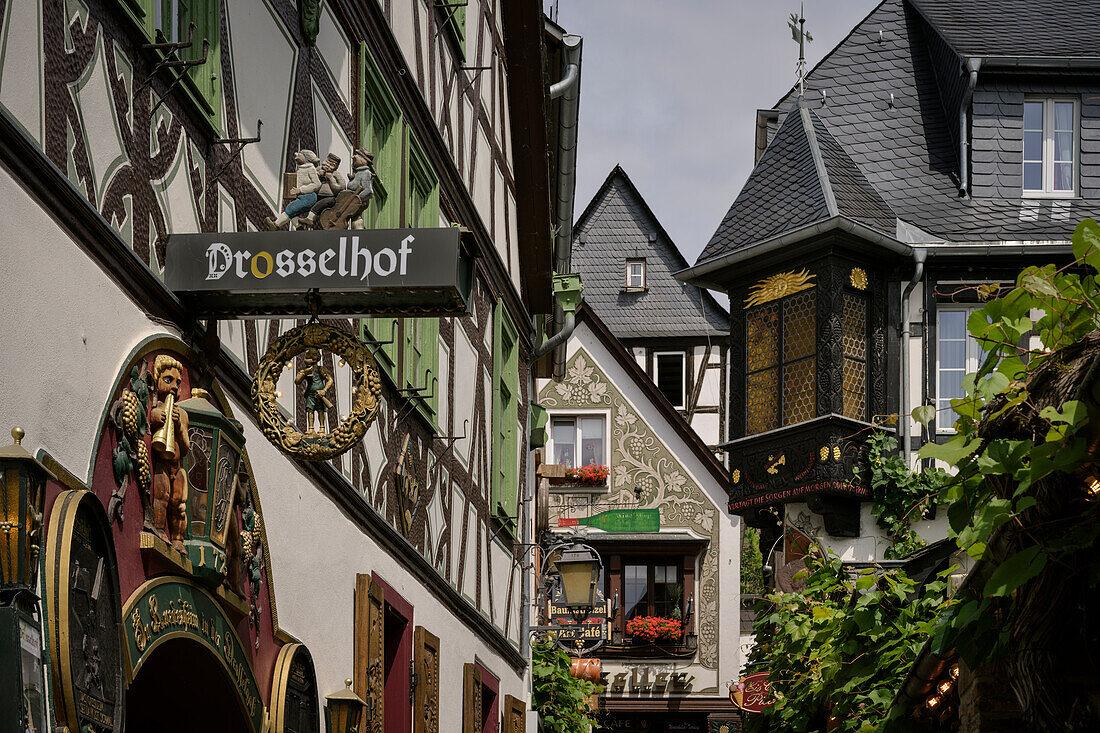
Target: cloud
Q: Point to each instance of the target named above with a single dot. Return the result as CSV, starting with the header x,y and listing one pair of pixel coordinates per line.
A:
x,y
670,90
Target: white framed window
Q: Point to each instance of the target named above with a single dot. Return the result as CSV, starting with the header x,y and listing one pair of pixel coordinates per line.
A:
x,y
578,440
669,376
1050,147
957,354
635,274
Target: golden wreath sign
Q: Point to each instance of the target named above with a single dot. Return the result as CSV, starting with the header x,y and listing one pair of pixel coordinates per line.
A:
x,y
314,379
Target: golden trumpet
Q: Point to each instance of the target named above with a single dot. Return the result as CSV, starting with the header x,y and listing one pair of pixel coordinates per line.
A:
x,y
164,440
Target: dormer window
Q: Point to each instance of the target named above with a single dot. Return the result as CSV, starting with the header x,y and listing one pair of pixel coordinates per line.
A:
x,y
1050,147
635,274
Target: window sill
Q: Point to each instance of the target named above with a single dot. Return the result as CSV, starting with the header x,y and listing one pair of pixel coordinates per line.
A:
x,y
1050,195
633,290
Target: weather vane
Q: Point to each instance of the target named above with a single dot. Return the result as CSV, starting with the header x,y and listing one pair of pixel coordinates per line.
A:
x,y
797,24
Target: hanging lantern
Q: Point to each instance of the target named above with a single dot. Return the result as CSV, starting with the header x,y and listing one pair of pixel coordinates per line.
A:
x,y
22,493
345,711
579,572
215,456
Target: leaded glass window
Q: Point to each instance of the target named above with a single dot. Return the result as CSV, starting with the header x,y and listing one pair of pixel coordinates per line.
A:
x,y
781,362
855,357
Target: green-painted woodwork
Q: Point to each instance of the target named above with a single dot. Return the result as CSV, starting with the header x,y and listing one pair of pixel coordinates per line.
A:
x,y
505,485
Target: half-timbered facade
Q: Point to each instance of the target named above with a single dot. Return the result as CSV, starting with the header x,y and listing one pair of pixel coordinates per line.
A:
x,y
125,122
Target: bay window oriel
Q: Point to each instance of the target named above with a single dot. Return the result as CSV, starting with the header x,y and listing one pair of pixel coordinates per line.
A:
x,y
807,352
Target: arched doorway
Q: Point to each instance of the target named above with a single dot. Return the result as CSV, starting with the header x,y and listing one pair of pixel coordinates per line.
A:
x,y
183,688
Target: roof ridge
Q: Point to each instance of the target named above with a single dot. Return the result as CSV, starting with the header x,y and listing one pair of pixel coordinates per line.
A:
x,y
819,161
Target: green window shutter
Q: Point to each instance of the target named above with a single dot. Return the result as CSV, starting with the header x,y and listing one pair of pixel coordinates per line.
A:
x,y
203,84
421,371
380,132
422,189
505,484
383,329
207,77
454,20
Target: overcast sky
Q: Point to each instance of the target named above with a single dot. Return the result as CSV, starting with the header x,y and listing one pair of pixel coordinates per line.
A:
x,y
669,90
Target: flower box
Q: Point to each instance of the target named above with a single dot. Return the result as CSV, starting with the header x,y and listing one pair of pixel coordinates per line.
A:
x,y
654,628
591,475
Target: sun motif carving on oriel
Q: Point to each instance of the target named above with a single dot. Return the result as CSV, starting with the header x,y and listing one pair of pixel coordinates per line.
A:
x,y
777,286
314,380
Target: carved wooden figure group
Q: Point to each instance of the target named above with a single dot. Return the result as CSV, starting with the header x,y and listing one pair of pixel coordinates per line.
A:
x,y
318,198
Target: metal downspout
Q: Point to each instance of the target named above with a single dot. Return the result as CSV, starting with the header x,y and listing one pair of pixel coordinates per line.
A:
x,y
906,333
972,65
568,88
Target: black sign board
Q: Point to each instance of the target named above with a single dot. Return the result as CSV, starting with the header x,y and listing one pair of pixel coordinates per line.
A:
x,y
414,272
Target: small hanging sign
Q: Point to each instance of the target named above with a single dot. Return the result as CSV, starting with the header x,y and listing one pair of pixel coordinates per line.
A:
x,y
752,693
619,521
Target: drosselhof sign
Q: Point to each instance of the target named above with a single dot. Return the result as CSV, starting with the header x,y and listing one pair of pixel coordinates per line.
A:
x,y
355,272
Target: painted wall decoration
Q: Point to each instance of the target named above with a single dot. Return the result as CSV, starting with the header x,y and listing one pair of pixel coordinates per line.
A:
x,y
639,458
83,606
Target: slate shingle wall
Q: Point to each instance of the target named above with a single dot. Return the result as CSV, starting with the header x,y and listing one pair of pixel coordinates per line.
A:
x,y
997,137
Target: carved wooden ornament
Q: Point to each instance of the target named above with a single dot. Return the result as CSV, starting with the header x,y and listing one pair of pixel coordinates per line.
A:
x,y
316,445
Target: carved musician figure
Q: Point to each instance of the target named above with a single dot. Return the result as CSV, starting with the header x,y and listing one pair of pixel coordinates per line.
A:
x,y
318,380
170,446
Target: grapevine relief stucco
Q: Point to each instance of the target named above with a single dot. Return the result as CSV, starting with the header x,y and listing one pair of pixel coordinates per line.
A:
x,y
639,458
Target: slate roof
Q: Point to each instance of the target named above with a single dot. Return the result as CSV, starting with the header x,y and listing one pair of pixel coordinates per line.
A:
x,y
804,176
893,88
615,226
1043,28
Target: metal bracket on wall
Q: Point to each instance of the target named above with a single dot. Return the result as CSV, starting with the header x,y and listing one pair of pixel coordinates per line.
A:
x,y
172,61
240,142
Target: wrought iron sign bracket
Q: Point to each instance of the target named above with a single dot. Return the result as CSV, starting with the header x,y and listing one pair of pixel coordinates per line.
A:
x,y
240,142
172,61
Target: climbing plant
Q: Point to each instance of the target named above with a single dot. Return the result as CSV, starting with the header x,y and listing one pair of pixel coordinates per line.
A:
x,y
752,562
1011,440
840,649
900,496
560,699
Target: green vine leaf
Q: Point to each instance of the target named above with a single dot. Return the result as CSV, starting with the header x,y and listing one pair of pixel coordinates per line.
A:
x,y
924,414
1015,571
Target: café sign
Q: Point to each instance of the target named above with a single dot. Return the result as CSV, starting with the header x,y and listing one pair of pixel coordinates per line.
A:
x,y
752,693
169,608
419,272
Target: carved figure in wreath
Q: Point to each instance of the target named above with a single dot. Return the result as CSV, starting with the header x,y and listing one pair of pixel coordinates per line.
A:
x,y
353,201
331,185
169,476
304,192
318,381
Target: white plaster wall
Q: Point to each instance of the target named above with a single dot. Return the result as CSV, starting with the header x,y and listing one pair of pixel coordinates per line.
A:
x,y
705,425
916,370
727,526
263,57
308,533
66,330
21,83
872,543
